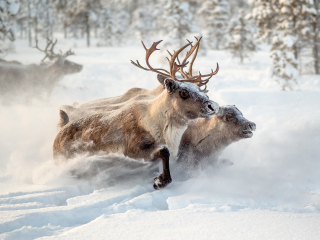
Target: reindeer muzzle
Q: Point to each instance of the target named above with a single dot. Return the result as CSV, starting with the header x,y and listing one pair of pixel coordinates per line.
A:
x,y
247,128
210,108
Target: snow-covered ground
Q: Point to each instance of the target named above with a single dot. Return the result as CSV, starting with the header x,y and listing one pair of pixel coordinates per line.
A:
x,y
271,192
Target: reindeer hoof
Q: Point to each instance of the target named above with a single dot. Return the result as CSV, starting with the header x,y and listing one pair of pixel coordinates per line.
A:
x,y
159,182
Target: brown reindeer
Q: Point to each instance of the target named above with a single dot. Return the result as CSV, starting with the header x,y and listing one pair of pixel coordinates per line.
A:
x,y
147,129
133,94
202,142
205,139
33,80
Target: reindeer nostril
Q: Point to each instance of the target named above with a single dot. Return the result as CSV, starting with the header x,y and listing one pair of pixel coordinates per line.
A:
x,y
210,107
251,126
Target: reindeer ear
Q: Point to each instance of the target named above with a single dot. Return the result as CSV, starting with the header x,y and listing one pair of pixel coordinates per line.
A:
x,y
161,78
170,85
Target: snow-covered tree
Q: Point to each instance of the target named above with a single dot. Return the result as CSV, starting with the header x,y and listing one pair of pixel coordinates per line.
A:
x,y
241,43
286,44
176,23
285,64
115,23
47,16
310,30
8,9
142,21
236,5
215,14
106,37
82,14
121,23
263,14
286,22
37,17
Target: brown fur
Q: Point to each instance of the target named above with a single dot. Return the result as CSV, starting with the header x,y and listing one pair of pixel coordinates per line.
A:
x,y
205,139
139,129
112,103
131,93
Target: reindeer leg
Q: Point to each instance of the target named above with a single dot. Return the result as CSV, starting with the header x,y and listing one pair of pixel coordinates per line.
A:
x,y
164,178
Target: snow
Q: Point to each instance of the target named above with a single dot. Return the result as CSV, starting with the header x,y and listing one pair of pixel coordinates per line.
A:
x,y
270,192
289,41
13,8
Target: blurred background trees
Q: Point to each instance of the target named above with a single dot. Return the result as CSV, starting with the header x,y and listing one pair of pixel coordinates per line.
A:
x,y
8,10
290,27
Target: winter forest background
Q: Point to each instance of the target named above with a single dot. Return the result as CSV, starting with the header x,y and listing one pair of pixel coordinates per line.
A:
x,y
292,28
268,56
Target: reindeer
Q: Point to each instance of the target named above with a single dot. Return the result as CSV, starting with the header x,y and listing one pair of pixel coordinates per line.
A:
x,y
74,112
33,80
147,129
204,139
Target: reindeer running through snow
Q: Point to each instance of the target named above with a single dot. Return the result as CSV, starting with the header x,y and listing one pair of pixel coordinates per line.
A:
x,y
33,80
205,139
147,129
201,143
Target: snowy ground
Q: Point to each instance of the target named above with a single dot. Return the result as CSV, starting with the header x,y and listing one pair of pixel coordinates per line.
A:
x,y
271,192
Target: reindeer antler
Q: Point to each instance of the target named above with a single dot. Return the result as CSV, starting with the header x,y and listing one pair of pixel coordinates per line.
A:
x,y
49,53
174,67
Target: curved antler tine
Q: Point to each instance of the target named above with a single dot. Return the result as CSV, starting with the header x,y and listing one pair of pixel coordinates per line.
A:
x,y
181,67
178,60
183,73
148,54
53,44
48,45
152,48
173,57
203,82
68,53
193,48
137,64
197,45
213,72
189,52
47,55
176,66
205,89
217,69
144,46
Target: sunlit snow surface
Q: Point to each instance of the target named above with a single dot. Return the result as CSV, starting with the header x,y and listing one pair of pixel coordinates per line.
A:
x,y
272,191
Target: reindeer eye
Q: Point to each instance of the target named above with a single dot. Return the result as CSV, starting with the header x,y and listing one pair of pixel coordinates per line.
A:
x,y
184,94
229,117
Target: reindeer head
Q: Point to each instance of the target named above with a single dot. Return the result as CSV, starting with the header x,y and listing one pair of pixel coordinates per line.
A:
x,y
234,122
188,97
60,63
188,100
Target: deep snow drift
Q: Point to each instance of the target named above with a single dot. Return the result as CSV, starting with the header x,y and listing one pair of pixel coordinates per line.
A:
x,y
272,191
